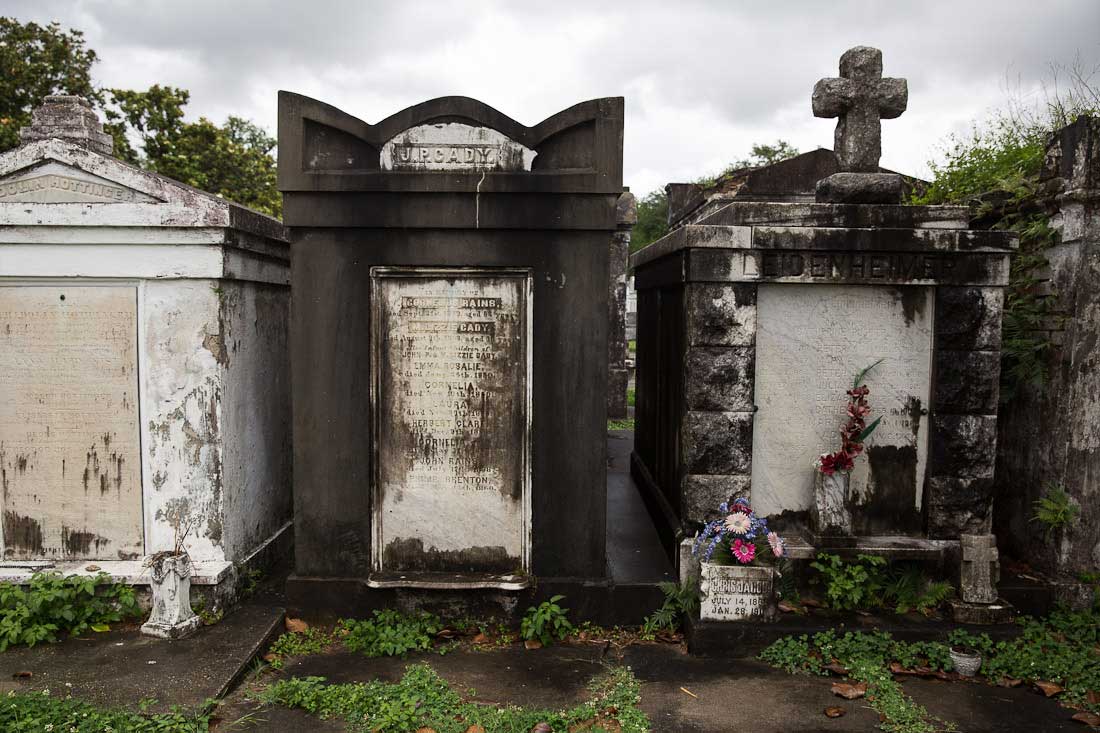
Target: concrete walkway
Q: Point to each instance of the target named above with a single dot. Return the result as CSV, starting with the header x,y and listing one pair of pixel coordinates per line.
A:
x,y
680,693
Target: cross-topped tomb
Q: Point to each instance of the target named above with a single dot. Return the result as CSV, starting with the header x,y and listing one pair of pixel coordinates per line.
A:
x,y
860,98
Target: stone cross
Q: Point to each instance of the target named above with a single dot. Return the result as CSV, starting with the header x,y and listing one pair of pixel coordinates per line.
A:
x,y
980,568
860,98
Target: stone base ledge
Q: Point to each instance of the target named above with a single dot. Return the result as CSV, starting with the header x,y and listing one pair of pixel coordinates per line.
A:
x,y
892,548
131,572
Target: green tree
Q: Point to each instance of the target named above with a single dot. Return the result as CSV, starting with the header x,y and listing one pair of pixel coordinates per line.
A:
x,y
763,154
652,220
36,61
233,160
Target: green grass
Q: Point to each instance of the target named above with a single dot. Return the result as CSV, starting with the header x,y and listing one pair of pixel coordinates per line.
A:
x,y
423,699
631,397
38,711
627,424
631,346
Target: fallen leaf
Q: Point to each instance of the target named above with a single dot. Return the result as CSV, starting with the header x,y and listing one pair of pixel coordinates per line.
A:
x,y
788,608
24,673
270,657
296,625
836,668
668,637
896,668
533,644
849,691
1009,682
92,568
689,692
542,728
1050,689
481,639
834,712
1093,697
445,634
425,730
1087,718
475,729
812,603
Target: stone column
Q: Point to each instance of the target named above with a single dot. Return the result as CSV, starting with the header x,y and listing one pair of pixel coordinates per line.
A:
x,y
626,215
716,431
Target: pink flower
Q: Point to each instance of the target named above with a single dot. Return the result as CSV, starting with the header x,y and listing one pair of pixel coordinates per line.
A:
x,y
738,523
777,544
744,551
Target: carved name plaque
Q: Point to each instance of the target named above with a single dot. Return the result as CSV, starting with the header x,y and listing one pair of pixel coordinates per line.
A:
x,y
453,146
69,450
811,341
451,405
736,593
55,183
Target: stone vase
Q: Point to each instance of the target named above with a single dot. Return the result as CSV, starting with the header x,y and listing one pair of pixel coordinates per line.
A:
x,y
737,593
830,516
966,664
172,617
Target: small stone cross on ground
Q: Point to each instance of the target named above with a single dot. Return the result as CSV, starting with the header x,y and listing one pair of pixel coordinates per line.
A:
x,y
861,98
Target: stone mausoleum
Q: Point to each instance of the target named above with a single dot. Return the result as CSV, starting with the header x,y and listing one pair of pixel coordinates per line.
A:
x,y
754,318
144,387
450,354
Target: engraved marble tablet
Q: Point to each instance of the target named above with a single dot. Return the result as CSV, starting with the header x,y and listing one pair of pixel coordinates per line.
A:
x,y
454,146
451,403
69,449
811,341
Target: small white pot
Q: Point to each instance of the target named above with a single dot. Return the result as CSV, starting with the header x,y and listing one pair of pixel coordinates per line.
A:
x,y
967,665
172,617
737,593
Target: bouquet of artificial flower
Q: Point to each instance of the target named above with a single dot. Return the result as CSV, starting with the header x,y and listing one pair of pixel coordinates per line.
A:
x,y
739,531
854,432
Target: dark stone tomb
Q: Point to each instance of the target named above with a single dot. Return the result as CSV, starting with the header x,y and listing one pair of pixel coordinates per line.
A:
x,y
449,347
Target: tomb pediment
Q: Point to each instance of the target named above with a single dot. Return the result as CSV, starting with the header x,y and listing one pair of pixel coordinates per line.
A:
x,y
53,182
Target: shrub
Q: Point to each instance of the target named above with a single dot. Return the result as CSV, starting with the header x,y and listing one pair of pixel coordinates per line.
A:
x,y
390,633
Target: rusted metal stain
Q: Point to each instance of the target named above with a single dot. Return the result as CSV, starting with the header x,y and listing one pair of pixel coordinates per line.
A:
x,y
891,506
82,543
410,554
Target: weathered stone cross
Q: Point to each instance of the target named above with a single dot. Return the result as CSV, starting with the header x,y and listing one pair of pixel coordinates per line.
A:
x,y
860,98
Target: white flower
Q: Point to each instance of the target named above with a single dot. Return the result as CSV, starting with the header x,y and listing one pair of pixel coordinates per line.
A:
x,y
49,726
738,523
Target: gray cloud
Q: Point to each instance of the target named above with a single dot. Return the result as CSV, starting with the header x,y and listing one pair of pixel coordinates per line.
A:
x,y
703,80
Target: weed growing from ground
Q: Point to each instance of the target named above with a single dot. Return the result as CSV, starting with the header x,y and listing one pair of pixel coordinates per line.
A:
x,y
53,605
679,600
390,633
547,622
423,699
38,711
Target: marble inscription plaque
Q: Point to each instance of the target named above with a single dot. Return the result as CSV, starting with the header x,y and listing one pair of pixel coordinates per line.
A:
x,y
454,146
810,342
736,593
451,386
69,446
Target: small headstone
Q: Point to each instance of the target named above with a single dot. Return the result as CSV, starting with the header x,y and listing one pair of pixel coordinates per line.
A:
x,y
860,98
980,568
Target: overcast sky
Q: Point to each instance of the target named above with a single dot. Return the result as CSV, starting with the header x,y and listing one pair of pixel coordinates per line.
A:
x,y
703,81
